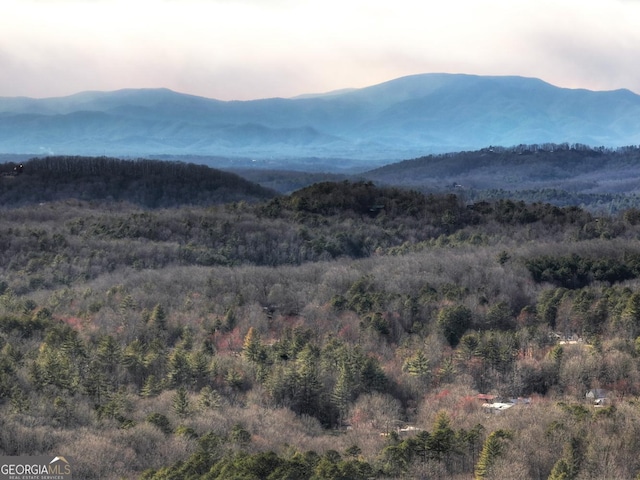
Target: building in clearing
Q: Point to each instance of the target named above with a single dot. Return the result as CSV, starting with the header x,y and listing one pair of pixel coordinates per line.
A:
x,y
598,396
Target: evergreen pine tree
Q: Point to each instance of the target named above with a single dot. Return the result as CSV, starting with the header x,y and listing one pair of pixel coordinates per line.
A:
x,y
179,373
568,467
158,317
209,398
631,315
181,403
133,361
441,441
252,347
199,366
417,365
454,321
308,384
492,448
109,354
151,387
561,471
341,394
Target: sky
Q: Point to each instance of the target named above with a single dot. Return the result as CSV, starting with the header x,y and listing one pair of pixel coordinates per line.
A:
x,y
249,49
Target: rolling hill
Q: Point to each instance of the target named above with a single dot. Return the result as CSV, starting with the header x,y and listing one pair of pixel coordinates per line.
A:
x,y
403,118
559,166
145,183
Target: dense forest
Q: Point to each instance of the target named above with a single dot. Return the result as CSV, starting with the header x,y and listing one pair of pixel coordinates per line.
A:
x,y
597,178
600,180
148,183
344,331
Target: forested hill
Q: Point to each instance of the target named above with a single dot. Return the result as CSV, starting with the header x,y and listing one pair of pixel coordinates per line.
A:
x,y
570,168
148,183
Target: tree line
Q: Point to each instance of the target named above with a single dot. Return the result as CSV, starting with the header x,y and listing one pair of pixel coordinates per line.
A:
x,y
148,183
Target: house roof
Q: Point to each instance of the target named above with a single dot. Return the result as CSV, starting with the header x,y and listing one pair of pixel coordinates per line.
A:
x,y
499,407
486,396
596,393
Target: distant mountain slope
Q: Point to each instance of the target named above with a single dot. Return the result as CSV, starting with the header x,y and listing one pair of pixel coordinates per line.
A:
x,y
570,168
403,118
149,183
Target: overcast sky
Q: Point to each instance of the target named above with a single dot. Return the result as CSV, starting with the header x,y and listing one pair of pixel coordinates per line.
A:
x,y
246,49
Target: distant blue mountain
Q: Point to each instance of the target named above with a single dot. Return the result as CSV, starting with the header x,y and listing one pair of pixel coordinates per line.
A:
x,y
403,118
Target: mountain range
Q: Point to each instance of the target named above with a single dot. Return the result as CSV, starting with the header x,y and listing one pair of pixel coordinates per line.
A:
x,y
400,119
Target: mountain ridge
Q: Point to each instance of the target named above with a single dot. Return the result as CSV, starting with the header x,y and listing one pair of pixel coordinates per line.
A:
x,y
402,118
